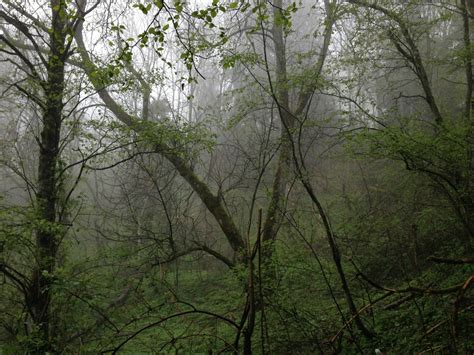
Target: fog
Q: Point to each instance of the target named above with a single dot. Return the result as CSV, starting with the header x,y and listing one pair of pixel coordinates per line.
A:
x,y
236,177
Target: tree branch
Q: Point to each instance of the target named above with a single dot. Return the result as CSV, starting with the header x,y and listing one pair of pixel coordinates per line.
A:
x,y
212,202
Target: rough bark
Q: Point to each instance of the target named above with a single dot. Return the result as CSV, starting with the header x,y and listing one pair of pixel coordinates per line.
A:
x,y
47,240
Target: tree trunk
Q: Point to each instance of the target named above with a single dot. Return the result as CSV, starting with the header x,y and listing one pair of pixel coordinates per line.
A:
x,y
289,150
47,231
281,95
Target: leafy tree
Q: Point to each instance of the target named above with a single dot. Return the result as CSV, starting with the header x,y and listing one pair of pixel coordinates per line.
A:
x,y
236,177
41,80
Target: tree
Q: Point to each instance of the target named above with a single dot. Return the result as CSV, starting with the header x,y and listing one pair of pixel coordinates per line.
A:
x,y
255,177
46,73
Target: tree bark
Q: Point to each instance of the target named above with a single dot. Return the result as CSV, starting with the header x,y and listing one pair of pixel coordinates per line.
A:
x,y
47,240
280,180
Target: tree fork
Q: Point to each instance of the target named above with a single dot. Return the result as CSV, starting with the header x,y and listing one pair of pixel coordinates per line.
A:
x,y
289,151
